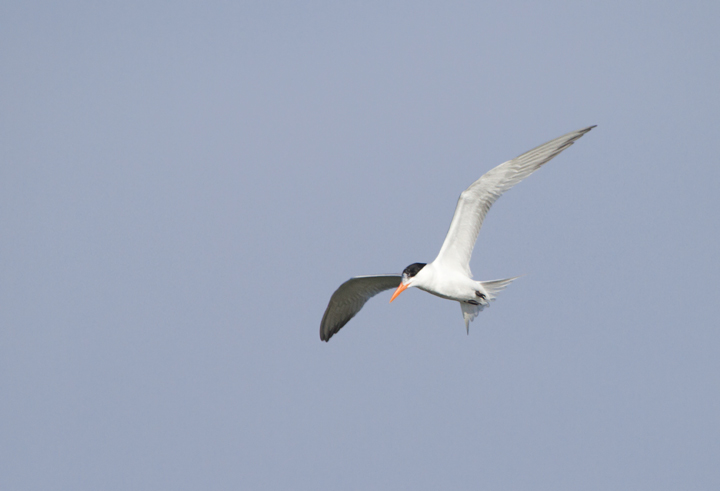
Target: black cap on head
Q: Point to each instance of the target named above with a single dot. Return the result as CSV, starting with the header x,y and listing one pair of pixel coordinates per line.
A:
x,y
413,269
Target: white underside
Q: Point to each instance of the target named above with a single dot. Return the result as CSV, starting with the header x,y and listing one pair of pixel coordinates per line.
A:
x,y
455,285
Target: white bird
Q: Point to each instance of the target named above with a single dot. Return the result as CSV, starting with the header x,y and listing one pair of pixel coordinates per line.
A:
x,y
449,276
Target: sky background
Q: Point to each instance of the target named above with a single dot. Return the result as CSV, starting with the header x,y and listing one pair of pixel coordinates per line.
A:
x,y
183,185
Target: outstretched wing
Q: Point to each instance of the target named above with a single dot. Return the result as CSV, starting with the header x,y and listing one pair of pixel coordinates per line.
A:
x,y
350,298
476,200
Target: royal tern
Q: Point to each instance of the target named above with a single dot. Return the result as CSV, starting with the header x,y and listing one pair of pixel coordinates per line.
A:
x,y
449,276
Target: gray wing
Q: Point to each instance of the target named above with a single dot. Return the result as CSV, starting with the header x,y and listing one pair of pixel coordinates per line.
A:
x,y
350,298
476,200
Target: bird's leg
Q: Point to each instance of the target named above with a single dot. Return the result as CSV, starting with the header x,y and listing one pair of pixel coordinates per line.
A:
x,y
481,295
472,302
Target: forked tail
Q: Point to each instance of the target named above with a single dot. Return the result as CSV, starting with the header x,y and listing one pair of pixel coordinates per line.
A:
x,y
496,286
493,287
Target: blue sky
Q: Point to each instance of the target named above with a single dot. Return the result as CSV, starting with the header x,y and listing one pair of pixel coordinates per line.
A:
x,y
183,186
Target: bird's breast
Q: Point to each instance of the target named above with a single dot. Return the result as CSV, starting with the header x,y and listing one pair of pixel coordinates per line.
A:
x,y
449,285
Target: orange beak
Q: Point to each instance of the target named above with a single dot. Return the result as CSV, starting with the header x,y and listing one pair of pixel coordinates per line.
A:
x,y
399,290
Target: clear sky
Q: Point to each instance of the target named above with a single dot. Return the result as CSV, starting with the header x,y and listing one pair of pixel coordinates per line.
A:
x,y
184,184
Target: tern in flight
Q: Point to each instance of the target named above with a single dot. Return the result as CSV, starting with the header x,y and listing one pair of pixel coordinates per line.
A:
x,y
449,276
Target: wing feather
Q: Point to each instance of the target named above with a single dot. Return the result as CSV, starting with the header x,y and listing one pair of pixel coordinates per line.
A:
x,y
350,297
477,199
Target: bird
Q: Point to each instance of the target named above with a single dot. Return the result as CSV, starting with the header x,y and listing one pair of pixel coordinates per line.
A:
x,y
448,276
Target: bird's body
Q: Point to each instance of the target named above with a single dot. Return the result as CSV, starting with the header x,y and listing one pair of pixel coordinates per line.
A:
x,y
449,275
448,284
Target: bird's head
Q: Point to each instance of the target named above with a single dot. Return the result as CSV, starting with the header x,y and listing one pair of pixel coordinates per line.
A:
x,y
408,276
